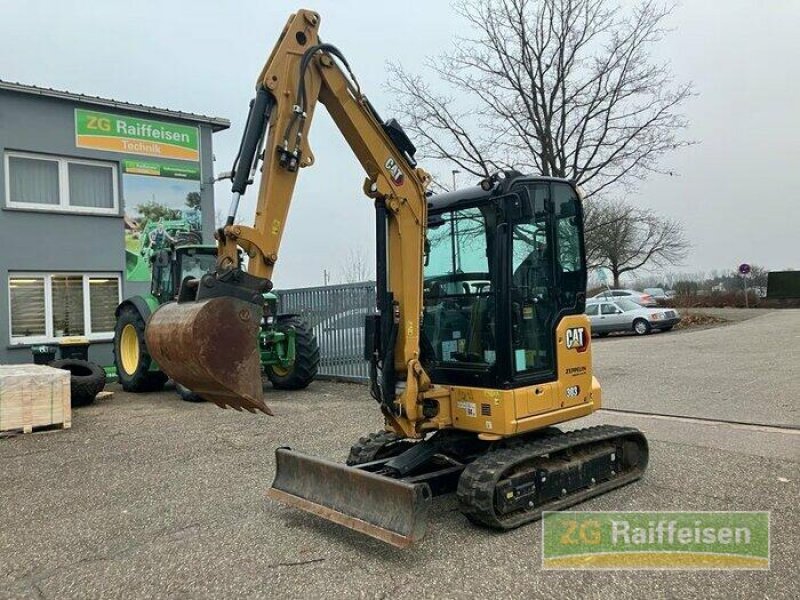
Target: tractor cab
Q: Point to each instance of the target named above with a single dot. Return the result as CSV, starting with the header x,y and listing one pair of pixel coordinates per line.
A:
x,y
171,266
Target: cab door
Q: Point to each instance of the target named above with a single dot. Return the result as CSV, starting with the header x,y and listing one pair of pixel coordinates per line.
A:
x,y
531,291
546,273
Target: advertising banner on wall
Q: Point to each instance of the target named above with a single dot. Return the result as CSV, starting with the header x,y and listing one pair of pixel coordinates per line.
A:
x,y
162,207
160,183
132,135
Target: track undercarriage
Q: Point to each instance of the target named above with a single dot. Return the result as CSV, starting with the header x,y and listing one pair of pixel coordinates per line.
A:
x,y
500,485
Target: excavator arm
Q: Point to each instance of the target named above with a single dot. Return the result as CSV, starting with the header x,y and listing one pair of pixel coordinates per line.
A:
x,y
207,341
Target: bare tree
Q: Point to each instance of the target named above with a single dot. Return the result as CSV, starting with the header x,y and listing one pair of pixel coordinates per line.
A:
x,y
356,267
566,88
598,215
625,239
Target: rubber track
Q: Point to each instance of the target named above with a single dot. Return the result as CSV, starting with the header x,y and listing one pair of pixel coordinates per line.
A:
x,y
368,448
476,487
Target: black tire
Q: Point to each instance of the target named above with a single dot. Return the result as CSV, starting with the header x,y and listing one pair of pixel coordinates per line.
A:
x,y
187,238
187,395
306,357
375,446
641,327
140,378
87,379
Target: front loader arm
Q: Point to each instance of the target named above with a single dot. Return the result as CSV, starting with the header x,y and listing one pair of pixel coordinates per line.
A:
x,y
299,72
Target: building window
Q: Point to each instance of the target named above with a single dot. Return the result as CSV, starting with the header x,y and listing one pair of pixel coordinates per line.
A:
x,y
27,307
44,182
48,307
67,314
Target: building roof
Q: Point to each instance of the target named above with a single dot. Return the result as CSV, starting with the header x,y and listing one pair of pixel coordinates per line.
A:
x,y
216,123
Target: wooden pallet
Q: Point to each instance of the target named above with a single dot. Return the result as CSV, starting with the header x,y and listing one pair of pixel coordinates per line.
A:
x,y
35,429
33,397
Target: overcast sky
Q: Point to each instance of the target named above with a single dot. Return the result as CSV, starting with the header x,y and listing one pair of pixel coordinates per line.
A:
x,y
736,191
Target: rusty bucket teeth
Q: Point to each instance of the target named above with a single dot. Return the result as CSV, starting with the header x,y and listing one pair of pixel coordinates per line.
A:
x,y
211,347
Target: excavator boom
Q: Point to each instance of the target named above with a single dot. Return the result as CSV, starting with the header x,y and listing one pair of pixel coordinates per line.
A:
x,y
206,341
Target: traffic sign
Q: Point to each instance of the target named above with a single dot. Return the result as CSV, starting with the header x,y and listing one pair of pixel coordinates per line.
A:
x,y
744,269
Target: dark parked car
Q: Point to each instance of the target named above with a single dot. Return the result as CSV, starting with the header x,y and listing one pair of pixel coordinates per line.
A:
x,y
638,297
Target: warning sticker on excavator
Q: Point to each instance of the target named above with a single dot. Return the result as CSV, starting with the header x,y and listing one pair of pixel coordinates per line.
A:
x,y
468,407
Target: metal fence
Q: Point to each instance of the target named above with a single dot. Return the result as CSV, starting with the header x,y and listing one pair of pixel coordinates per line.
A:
x,y
336,314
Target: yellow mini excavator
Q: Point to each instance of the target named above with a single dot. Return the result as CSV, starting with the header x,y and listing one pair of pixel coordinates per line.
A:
x,y
478,344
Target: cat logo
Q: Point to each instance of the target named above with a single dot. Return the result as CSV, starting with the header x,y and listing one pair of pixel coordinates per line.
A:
x,y
395,171
577,339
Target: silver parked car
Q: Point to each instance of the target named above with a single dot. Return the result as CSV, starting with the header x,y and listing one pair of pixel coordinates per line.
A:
x,y
641,298
621,314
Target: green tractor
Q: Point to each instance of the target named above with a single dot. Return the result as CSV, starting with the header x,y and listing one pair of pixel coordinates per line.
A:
x,y
289,350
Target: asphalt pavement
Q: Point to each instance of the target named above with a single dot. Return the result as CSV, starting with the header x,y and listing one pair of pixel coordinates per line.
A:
x,y
747,370
151,497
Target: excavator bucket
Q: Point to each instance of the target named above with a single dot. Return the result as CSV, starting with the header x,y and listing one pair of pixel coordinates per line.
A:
x,y
391,510
211,347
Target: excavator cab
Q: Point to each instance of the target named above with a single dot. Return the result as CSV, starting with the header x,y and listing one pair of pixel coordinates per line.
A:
x,y
503,267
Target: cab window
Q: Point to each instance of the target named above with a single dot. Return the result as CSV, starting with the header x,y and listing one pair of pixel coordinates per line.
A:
x,y
570,268
458,322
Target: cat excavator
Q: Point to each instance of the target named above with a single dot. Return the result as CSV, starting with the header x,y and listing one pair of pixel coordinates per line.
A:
x,y
478,345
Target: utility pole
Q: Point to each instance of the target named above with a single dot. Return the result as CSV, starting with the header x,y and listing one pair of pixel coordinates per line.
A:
x,y
454,172
326,277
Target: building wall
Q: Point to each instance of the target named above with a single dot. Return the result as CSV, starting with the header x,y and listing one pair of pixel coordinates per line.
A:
x,y
38,241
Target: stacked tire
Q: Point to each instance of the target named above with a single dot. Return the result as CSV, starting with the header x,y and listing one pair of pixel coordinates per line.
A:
x,y
87,379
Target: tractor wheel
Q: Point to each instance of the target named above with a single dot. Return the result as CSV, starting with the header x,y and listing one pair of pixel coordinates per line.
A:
x,y
375,446
186,394
306,357
87,379
188,238
131,357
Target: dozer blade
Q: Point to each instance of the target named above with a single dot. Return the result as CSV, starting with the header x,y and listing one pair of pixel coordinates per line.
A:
x,y
211,347
391,510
